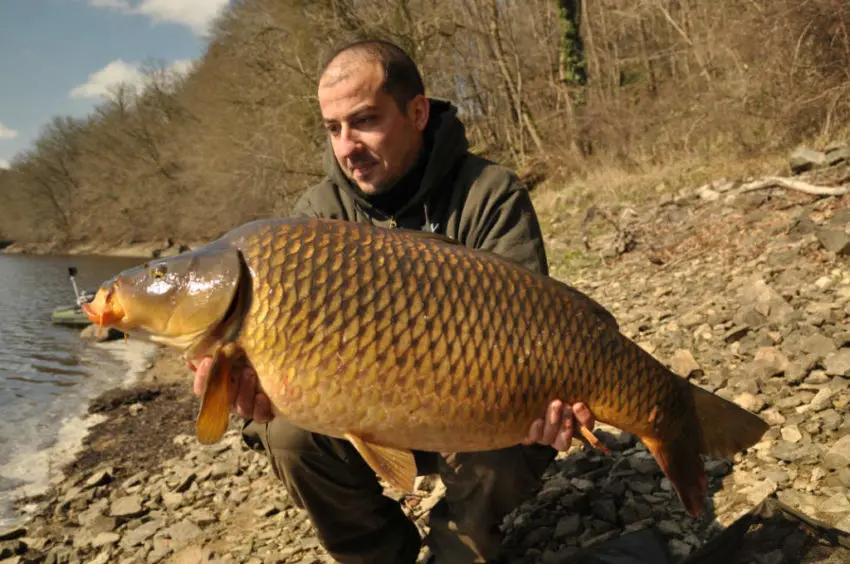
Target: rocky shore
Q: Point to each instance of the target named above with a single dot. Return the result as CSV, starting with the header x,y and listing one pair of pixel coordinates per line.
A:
x,y
745,293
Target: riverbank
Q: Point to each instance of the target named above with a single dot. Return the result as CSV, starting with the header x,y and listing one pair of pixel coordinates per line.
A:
x,y
142,250
745,293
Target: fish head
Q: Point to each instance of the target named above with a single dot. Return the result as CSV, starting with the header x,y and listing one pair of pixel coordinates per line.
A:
x,y
175,301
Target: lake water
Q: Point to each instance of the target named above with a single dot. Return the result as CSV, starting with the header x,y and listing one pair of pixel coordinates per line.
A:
x,y
47,373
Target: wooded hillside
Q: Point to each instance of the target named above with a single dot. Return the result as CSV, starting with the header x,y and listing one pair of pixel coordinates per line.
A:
x,y
564,87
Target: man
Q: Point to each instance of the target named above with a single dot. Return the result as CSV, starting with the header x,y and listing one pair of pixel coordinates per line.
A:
x,y
398,159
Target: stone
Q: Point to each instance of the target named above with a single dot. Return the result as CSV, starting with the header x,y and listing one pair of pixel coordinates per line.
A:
x,y
99,478
568,526
818,345
765,300
780,477
770,362
834,144
203,516
830,419
821,400
736,333
816,378
791,434
717,467
104,539
804,158
186,481
837,503
223,469
183,532
670,528
127,507
12,533
838,456
789,452
134,480
266,511
837,156
195,555
759,491
750,402
140,534
172,500
834,240
102,524
837,363
605,509
683,363
708,194
750,318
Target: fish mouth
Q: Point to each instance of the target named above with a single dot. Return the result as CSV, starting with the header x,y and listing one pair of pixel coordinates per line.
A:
x,y
105,309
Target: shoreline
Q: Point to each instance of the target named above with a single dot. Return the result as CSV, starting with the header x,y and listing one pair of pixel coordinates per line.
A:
x,y
149,374
142,250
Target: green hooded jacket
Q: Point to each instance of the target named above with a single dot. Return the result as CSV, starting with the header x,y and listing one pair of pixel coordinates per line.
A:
x,y
449,191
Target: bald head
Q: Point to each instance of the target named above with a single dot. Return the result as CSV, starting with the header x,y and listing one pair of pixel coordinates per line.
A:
x,y
400,76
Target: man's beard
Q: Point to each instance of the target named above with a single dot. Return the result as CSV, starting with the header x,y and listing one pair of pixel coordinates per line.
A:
x,y
376,188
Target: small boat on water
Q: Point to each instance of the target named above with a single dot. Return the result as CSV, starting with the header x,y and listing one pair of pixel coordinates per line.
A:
x,y
72,315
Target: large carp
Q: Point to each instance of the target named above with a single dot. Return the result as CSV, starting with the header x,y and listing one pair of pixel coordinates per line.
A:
x,y
399,340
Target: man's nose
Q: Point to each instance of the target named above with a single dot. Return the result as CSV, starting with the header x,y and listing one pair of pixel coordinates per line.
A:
x,y
347,142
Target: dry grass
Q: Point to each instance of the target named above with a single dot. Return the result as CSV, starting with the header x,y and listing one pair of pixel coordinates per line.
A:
x,y
678,93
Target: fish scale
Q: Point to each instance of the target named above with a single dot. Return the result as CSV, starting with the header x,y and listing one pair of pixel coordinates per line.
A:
x,y
394,281
399,340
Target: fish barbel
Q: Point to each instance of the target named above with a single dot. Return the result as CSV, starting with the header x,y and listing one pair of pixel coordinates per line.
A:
x,y
399,340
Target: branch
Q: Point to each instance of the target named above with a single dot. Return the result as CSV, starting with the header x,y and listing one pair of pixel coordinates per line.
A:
x,y
797,185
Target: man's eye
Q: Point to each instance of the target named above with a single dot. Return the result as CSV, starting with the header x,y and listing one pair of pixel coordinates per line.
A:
x,y
332,129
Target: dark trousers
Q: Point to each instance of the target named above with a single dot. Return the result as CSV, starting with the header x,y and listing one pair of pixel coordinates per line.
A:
x,y
357,524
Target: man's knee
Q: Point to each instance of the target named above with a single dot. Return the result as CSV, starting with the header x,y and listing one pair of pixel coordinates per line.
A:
x,y
285,437
481,488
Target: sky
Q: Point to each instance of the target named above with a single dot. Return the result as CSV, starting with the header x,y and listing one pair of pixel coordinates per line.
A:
x,y
59,57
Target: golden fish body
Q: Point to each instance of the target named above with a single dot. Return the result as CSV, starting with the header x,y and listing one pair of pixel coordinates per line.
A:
x,y
405,341
420,343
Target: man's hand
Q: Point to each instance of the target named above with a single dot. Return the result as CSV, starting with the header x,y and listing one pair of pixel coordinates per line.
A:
x,y
557,427
245,399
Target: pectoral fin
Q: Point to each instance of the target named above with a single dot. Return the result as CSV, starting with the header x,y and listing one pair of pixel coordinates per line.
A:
x,y
592,439
395,466
214,414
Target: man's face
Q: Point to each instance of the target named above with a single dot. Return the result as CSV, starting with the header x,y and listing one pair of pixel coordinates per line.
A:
x,y
374,142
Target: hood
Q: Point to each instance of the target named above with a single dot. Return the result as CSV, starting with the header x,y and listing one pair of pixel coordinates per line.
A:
x,y
445,143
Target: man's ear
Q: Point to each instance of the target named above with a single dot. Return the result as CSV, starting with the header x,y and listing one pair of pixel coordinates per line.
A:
x,y
418,109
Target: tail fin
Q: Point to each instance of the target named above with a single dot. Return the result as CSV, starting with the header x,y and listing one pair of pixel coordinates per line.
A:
x,y
720,428
727,427
680,461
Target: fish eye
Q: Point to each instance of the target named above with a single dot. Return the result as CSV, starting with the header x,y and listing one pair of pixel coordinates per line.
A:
x,y
159,272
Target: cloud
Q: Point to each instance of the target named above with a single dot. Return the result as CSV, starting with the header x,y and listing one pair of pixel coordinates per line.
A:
x,y
113,74
4,164
197,15
101,82
6,133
